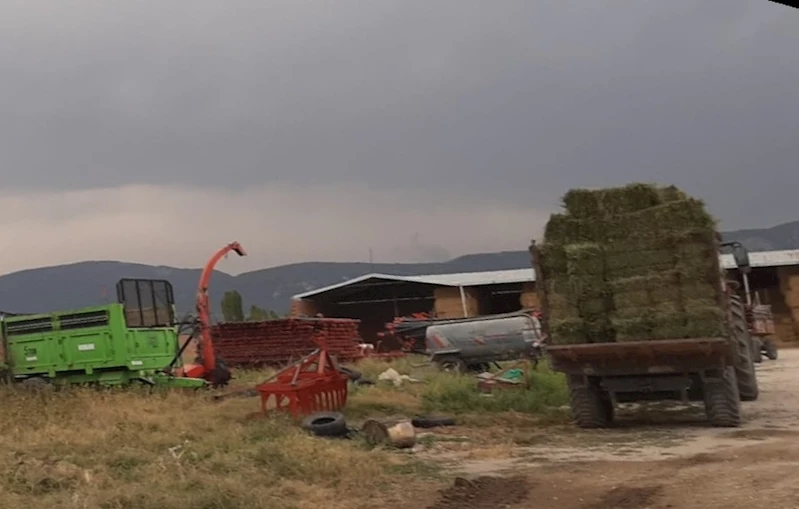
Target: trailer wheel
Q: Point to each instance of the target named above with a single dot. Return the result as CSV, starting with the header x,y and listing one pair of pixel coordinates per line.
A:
x,y
757,350
451,364
744,363
590,407
722,400
771,349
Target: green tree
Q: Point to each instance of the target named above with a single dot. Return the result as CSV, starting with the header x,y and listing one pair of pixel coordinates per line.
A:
x,y
258,314
232,307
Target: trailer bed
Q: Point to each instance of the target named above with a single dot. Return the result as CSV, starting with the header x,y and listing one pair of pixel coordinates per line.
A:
x,y
642,357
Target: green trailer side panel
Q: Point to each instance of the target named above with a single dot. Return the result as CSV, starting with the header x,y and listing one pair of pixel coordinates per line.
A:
x,y
91,344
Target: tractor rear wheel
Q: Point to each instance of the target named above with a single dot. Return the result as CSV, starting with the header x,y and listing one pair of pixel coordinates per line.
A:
x,y
722,400
744,363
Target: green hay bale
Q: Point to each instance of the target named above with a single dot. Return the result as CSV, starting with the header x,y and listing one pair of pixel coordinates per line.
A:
x,y
661,222
621,262
698,321
630,198
583,203
599,330
564,229
671,193
590,203
567,331
635,328
585,259
552,259
562,307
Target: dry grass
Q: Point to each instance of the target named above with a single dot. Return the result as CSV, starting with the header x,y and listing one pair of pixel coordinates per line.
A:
x,y
122,449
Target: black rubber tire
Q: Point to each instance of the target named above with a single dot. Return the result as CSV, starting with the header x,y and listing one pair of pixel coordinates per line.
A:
x,y
325,424
350,373
722,400
771,349
428,421
590,408
745,374
36,383
451,364
757,350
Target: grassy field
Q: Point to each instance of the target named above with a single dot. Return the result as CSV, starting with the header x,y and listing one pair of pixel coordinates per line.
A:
x,y
110,449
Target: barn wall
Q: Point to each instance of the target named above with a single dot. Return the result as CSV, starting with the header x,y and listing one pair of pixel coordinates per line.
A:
x,y
306,307
448,302
529,298
786,309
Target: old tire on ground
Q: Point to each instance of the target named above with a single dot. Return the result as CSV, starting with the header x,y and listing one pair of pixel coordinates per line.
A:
x,y
451,364
325,424
757,350
431,421
590,407
771,349
745,374
350,373
722,400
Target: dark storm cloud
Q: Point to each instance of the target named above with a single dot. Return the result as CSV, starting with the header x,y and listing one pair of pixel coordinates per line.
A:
x,y
521,98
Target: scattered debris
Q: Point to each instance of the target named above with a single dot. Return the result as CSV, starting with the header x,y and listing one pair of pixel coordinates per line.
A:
x,y
483,493
393,376
432,421
397,432
627,498
325,424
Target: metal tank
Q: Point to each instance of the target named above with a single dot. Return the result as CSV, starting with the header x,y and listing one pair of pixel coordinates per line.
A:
x,y
475,343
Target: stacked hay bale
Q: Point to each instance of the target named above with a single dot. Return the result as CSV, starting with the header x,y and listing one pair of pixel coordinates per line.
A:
x,y
638,262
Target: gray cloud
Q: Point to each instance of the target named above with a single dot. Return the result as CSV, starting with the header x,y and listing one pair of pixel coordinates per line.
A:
x,y
516,100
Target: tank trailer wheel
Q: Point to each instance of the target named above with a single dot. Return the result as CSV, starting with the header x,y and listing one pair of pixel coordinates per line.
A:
x,y
451,364
744,363
590,406
722,400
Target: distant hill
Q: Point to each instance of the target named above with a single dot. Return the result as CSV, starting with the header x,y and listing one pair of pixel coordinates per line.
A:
x,y
81,284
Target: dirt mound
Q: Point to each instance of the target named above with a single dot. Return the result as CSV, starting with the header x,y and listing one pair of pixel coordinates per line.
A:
x,y
627,498
483,493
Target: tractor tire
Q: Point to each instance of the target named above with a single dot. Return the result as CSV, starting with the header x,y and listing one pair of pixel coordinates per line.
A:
x,y
744,363
590,408
722,400
771,349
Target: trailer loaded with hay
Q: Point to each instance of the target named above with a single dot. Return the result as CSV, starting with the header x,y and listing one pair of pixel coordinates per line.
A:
x,y
635,305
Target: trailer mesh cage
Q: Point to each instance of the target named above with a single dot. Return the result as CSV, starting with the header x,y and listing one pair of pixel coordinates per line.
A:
x,y
147,302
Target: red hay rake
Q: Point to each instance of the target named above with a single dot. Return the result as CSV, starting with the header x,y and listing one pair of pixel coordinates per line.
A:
x,y
312,384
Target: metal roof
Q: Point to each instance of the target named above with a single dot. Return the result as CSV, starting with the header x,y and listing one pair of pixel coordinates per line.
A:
x,y
460,279
765,259
757,259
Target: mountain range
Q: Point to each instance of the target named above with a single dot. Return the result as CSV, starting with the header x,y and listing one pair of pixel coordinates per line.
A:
x,y
89,283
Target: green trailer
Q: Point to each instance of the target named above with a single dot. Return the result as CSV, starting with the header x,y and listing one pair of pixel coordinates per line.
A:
x,y
130,341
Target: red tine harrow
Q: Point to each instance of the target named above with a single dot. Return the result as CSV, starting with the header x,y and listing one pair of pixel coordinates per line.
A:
x,y
312,384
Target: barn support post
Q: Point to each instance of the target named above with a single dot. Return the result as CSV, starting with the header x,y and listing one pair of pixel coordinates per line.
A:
x,y
463,302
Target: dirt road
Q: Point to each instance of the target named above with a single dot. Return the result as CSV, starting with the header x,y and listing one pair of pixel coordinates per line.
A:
x,y
667,458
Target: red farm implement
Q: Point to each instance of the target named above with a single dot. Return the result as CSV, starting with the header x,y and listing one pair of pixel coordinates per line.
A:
x,y
312,384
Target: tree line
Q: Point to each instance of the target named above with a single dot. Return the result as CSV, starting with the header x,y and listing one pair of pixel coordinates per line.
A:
x,y
233,310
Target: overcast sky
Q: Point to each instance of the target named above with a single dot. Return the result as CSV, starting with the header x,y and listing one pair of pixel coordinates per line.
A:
x,y
156,130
